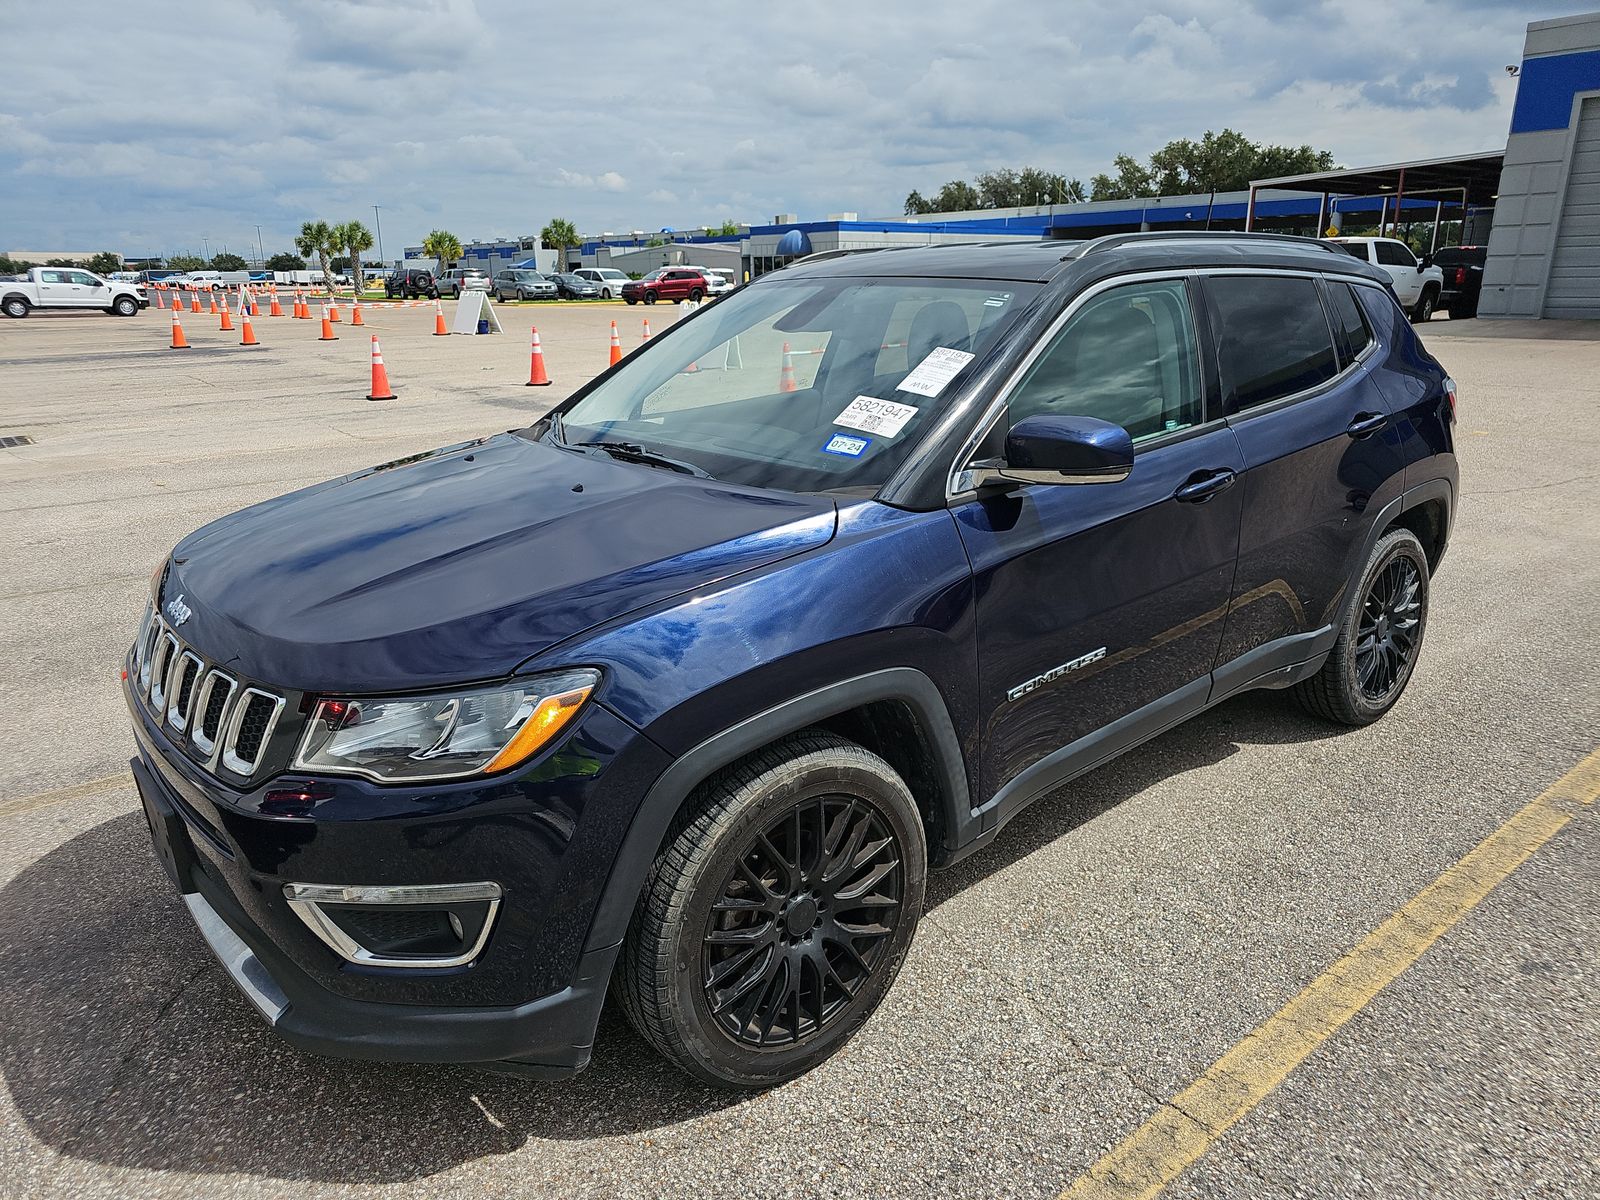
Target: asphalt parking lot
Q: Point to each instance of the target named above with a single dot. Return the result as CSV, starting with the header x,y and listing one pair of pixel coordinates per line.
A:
x,y
1066,983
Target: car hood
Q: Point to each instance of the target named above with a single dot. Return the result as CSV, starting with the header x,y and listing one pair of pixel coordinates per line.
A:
x,y
459,564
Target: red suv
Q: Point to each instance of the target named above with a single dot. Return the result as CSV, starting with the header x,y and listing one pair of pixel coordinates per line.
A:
x,y
669,283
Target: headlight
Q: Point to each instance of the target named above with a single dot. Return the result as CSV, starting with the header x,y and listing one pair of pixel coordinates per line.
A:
x,y
442,736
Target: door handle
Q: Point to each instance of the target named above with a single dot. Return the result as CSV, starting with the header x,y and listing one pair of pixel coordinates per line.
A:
x,y
1203,485
1366,424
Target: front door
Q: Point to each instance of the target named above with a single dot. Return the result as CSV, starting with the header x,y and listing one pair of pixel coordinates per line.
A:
x,y
1104,603
92,291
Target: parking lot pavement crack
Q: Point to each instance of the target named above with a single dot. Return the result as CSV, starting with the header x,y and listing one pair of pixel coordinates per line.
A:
x,y
1533,487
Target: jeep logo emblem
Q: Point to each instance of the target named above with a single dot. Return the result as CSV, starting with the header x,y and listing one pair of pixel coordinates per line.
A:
x,y
177,611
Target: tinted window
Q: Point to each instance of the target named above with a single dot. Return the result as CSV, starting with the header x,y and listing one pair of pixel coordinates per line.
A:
x,y
1127,356
1272,337
1349,320
1393,254
1355,250
86,280
1459,256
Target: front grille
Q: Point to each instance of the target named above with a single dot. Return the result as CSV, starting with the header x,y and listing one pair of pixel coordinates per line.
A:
x,y
227,724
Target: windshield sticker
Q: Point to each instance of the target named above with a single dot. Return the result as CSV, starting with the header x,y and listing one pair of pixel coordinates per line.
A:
x,y
850,447
871,415
933,372
999,301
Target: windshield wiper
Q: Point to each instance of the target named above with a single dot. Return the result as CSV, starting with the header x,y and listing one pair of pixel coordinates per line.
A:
x,y
633,452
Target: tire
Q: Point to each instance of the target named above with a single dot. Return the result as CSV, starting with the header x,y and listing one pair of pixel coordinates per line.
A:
x,y
695,294
709,884
1425,305
631,301
605,294
125,306
14,307
1337,692
649,297
1461,312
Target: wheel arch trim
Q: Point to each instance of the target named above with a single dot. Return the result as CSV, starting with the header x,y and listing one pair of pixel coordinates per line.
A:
x,y
662,802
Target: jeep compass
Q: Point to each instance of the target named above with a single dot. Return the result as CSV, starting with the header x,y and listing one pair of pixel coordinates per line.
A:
x,y
677,694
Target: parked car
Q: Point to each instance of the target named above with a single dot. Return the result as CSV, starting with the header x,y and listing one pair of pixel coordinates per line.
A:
x,y
410,283
458,279
718,283
522,284
69,287
669,283
203,281
575,287
609,280
1417,287
1461,268
560,710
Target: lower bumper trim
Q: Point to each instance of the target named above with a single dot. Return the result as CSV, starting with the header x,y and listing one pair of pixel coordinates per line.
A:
x,y
241,963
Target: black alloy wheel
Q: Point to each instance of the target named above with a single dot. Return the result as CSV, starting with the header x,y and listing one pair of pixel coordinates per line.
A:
x,y
1388,633
802,922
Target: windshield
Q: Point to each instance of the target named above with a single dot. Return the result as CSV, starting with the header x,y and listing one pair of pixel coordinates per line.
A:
x,y
802,385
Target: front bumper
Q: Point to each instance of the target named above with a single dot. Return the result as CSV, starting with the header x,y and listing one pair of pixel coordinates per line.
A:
x,y
532,999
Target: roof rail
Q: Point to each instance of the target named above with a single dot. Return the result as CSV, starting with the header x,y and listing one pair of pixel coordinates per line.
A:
x,y
1112,240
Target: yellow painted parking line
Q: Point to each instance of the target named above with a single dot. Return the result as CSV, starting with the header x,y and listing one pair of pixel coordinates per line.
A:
x,y
77,791
1187,1125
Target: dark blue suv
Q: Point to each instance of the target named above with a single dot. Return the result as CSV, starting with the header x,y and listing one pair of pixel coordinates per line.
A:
x,y
679,692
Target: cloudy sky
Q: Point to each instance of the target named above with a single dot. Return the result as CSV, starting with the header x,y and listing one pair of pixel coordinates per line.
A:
x,y
147,127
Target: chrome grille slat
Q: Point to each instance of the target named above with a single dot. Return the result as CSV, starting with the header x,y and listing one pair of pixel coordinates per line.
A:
x,y
178,687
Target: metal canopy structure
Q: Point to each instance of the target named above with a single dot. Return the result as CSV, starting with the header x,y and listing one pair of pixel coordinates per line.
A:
x,y
1464,179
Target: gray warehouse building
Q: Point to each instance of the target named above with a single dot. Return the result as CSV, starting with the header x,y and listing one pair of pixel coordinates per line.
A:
x,y
1544,250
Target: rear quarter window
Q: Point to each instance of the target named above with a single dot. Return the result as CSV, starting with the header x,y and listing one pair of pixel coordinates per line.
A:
x,y
1273,338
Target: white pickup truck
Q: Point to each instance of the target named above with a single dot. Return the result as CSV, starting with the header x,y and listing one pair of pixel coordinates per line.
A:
x,y
1416,287
68,287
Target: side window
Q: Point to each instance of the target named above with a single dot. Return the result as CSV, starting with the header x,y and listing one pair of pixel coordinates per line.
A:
x,y
1128,356
1349,320
1393,254
84,280
52,277
1272,337
1355,250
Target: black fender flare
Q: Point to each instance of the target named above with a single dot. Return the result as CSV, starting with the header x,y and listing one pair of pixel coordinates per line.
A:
x,y
662,802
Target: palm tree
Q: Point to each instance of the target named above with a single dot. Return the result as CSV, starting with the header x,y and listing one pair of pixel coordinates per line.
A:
x,y
444,246
316,237
353,237
562,235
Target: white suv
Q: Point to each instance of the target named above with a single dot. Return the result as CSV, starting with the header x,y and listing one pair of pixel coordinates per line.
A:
x,y
1417,287
608,279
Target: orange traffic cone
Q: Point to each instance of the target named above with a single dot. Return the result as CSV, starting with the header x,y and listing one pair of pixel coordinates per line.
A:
x,y
226,324
249,338
786,381
537,377
160,303
355,314
213,297
179,342
645,337
327,327
276,310
616,346
194,301
333,310
380,377
439,329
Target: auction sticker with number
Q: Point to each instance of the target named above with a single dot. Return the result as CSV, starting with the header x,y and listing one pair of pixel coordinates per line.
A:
x,y
932,373
871,415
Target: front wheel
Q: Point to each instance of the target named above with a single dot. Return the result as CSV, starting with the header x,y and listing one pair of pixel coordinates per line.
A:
x,y
631,301
125,306
1380,636
605,293
649,297
777,915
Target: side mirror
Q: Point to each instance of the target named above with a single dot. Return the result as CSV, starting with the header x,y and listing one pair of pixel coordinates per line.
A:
x,y
1052,449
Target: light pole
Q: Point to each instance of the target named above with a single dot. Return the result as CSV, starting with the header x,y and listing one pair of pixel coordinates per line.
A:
x,y
379,223
206,242
261,253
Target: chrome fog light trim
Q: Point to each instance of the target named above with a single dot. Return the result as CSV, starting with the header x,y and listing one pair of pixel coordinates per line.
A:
x,y
307,899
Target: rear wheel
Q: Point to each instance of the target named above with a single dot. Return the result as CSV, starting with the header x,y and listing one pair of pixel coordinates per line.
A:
x,y
695,294
1425,306
777,915
1379,639
14,307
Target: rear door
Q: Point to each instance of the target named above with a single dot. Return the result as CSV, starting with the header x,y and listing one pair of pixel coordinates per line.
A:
x,y
56,289
1321,458
1098,601
1396,258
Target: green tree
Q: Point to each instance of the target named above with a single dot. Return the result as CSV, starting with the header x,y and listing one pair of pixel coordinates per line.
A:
x,y
563,235
444,246
957,196
286,262
186,262
1221,162
228,262
104,263
353,237
316,237
62,262
14,266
